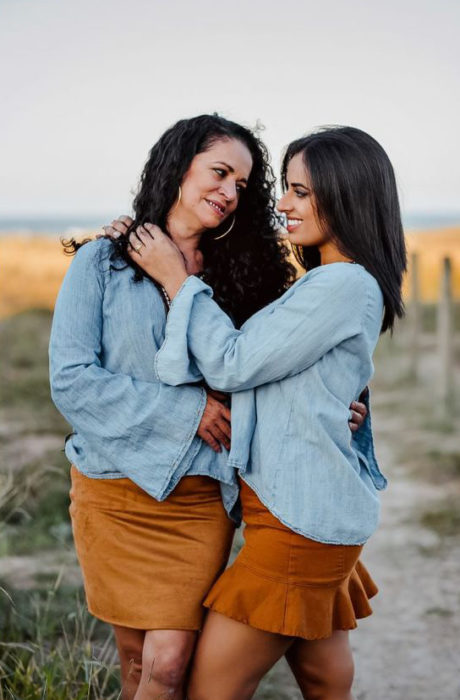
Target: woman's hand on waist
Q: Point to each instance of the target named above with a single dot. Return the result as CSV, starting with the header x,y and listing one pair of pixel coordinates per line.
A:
x,y
215,428
358,415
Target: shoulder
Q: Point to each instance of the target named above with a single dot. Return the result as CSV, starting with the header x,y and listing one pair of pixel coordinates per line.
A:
x,y
91,264
351,276
333,277
336,272
95,250
347,290
96,253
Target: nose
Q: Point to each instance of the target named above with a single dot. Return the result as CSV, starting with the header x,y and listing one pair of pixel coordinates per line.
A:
x,y
228,190
283,205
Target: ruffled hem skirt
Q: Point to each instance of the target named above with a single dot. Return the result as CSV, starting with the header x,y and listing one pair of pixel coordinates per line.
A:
x,y
285,583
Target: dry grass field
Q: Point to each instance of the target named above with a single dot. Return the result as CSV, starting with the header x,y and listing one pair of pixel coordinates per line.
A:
x,y
32,268
31,272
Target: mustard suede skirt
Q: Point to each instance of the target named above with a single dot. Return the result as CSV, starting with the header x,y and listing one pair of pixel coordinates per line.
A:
x,y
288,584
149,564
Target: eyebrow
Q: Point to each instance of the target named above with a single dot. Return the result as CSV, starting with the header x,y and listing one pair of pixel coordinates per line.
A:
x,y
232,170
299,184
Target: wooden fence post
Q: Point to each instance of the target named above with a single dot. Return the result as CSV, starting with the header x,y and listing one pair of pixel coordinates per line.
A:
x,y
415,318
446,338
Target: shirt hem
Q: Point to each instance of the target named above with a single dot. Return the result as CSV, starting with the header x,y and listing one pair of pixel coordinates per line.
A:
x,y
298,530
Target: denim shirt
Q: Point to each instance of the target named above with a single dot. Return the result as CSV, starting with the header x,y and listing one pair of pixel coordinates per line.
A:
x,y
294,368
106,331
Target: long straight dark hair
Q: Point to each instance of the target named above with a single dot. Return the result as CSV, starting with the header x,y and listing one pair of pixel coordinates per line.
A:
x,y
357,205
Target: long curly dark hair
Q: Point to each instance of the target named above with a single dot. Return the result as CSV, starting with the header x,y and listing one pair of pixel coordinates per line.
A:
x,y
247,269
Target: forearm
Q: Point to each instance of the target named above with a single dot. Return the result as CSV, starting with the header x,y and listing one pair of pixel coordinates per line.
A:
x,y
283,340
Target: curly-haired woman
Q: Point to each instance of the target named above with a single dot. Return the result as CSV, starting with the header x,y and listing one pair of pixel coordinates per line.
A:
x,y
309,499
152,491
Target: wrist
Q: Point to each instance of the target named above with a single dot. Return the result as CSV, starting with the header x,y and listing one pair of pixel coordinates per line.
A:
x,y
173,284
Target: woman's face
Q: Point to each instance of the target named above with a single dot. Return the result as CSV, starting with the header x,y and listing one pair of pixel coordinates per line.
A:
x,y
213,184
298,204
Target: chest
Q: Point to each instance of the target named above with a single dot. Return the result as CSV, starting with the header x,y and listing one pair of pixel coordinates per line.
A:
x,y
133,317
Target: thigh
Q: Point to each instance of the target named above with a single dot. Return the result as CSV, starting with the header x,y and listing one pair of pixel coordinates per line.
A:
x,y
323,667
231,659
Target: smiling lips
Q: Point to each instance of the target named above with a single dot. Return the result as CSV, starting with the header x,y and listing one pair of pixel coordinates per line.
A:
x,y
218,208
292,224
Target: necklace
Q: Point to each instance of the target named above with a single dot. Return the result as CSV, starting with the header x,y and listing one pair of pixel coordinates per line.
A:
x,y
166,297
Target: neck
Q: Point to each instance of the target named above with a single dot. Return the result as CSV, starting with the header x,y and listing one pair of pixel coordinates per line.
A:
x,y
331,254
187,239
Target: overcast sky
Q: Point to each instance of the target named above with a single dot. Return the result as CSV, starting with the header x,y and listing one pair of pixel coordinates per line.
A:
x,y
87,86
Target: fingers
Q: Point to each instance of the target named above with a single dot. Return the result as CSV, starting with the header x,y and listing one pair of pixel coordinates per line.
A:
x,y
143,236
221,434
118,227
136,239
153,230
358,413
215,428
211,441
109,232
355,422
135,242
359,407
226,413
225,426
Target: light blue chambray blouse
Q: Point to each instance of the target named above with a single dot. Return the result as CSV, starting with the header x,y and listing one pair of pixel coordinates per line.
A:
x,y
295,367
106,330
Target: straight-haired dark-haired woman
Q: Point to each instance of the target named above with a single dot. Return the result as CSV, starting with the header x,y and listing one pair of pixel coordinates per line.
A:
x,y
309,496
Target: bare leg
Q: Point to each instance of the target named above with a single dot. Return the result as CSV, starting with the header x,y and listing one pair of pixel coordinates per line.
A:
x,y
231,659
165,657
323,668
130,643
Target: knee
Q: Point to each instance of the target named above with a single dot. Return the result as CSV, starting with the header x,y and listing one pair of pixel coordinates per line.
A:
x,y
331,683
165,664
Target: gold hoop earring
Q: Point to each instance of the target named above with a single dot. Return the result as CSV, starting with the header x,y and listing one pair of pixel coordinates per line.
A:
x,y
216,238
177,202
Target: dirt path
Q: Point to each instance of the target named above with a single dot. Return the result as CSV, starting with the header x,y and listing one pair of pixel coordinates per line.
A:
x,y
410,648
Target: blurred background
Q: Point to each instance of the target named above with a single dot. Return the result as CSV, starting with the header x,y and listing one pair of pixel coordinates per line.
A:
x,y
87,88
